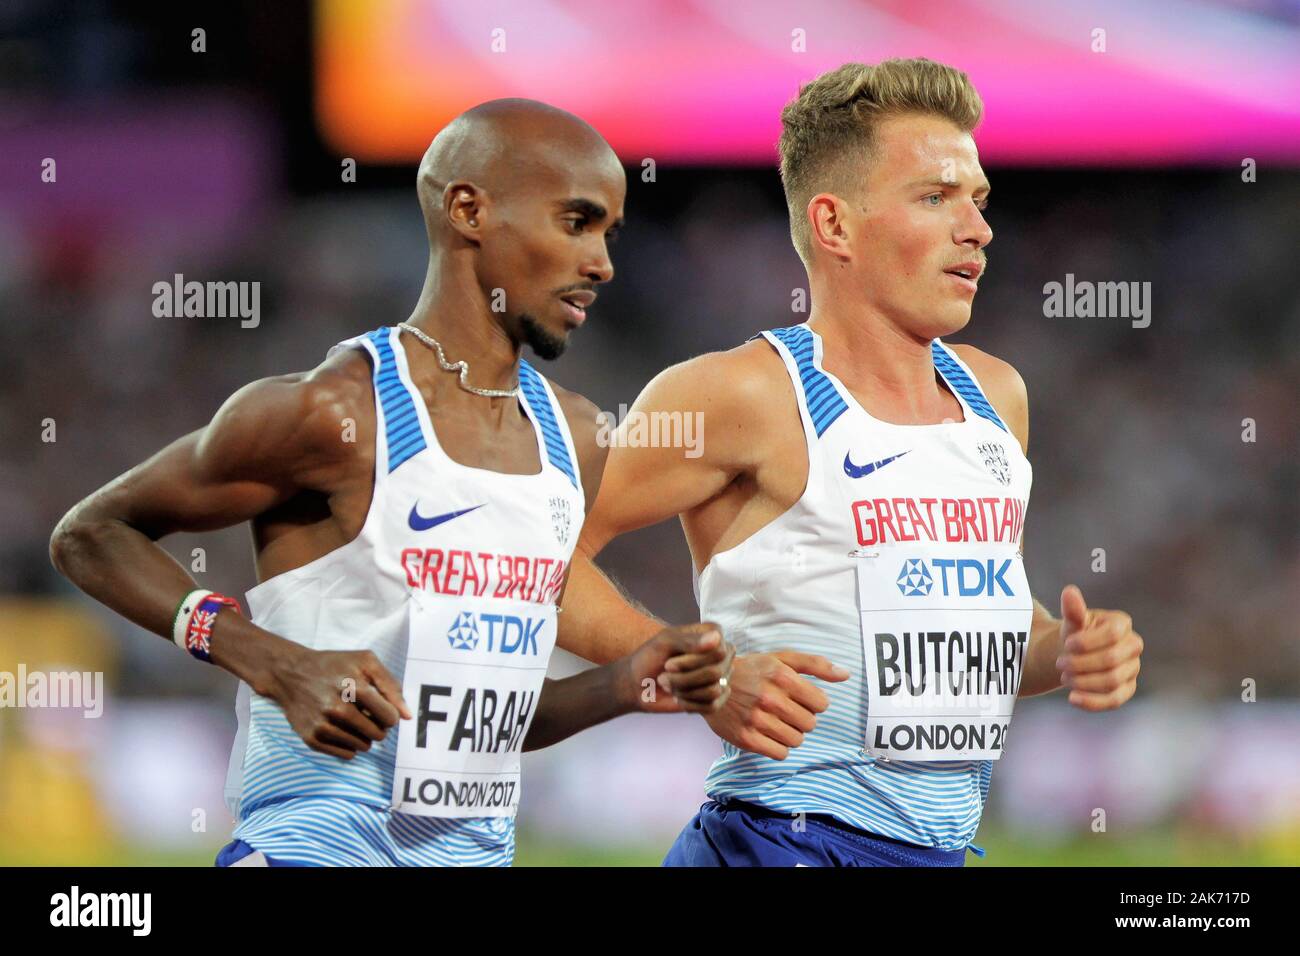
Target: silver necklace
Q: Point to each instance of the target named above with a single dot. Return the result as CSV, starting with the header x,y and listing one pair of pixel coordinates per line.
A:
x,y
462,366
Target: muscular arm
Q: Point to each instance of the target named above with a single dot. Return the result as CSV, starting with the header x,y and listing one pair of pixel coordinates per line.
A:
x,y
575,703
270,440
770,706
619,686
645,485
262,446
600,621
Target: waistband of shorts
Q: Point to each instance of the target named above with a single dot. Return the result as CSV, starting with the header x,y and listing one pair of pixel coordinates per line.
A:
x,y
840,826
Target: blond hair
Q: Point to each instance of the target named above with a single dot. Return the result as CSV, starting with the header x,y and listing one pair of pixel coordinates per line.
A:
x,y
830,125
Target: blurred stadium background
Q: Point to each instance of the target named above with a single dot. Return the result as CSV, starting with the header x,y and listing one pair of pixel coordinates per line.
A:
x,y
226,165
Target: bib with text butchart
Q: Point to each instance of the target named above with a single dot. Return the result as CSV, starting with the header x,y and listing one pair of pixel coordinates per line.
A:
x,y
474,674
945,629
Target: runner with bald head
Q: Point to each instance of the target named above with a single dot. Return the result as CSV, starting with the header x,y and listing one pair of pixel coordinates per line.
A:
x,y
414,500
486,184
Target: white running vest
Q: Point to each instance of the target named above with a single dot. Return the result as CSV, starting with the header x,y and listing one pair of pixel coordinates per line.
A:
x,y
936,511
436,533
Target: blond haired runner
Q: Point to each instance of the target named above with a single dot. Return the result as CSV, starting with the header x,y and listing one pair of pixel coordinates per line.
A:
x,y
859,499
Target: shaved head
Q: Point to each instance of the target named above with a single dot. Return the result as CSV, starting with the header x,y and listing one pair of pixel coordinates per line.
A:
x,y
504,144
520,200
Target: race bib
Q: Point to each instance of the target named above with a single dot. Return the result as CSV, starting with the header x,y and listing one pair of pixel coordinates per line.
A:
x,y
474,673
945,629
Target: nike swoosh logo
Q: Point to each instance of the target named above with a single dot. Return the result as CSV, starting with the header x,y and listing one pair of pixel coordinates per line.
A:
x,y
420,523
861,471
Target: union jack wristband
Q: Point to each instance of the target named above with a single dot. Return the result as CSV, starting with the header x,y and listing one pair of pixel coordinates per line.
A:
x,y
195,617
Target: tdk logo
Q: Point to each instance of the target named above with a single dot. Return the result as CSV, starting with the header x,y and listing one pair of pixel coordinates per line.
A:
x,y
505,633
970,577
915,578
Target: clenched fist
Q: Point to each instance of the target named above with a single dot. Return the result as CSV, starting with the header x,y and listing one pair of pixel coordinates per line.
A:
x,y
686,668
338,702
1100,654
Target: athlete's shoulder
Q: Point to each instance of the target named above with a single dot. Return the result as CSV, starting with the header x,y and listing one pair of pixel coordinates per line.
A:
x,y
295,414
585,421
1002,386
742,378
338,390
577,408
337,384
